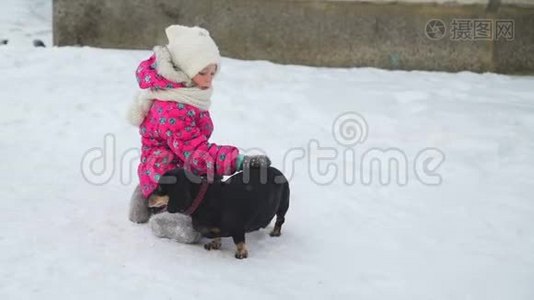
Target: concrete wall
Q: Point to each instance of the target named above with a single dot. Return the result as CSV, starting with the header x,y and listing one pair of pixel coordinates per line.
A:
x,y
311,32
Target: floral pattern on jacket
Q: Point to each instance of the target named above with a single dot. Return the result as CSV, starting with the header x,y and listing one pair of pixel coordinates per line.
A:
x,y
175,134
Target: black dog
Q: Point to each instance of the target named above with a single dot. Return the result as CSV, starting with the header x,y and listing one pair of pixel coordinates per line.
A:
x,y
245,202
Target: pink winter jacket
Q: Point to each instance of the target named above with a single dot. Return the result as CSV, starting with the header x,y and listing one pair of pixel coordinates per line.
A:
x,y
175,135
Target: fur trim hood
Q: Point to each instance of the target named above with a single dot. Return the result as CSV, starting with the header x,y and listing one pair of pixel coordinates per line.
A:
x,y
160,79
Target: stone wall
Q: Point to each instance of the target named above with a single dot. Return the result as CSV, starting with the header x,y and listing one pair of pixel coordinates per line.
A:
x,y
379,33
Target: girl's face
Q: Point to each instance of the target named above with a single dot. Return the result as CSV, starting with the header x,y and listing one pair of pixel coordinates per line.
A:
x,y
203,78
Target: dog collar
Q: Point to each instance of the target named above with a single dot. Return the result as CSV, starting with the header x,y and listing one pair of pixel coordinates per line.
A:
x,y
199,198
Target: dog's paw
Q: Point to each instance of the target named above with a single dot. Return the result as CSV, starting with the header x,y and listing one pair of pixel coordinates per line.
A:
x,y
241,254
276,232
213,245
241,251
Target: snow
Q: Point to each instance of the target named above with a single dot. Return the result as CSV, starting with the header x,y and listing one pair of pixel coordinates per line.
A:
x,y
62,236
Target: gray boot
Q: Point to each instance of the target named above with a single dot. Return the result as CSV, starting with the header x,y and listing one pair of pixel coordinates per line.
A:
x,y
139,212
176,227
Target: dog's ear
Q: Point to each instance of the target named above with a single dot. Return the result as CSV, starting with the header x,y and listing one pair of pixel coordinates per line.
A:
x,y
176,198
160,190
164,182
170,177
172,206
178,188
191,177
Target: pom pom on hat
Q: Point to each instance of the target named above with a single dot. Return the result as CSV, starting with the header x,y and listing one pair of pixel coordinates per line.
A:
x,y
192,49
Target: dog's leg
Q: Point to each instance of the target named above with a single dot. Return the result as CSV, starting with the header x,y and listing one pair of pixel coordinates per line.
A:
x,y
280,214
277,230
216,243
241,248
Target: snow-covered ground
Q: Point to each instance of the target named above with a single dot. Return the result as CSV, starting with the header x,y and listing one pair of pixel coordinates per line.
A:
x,y
63,236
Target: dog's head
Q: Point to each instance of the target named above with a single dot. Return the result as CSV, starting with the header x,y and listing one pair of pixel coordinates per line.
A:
x,y
178,185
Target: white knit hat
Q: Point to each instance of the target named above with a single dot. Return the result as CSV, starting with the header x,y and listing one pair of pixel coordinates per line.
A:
x,y
192,49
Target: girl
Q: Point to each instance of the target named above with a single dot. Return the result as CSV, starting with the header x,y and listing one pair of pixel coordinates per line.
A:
x,y
175,125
